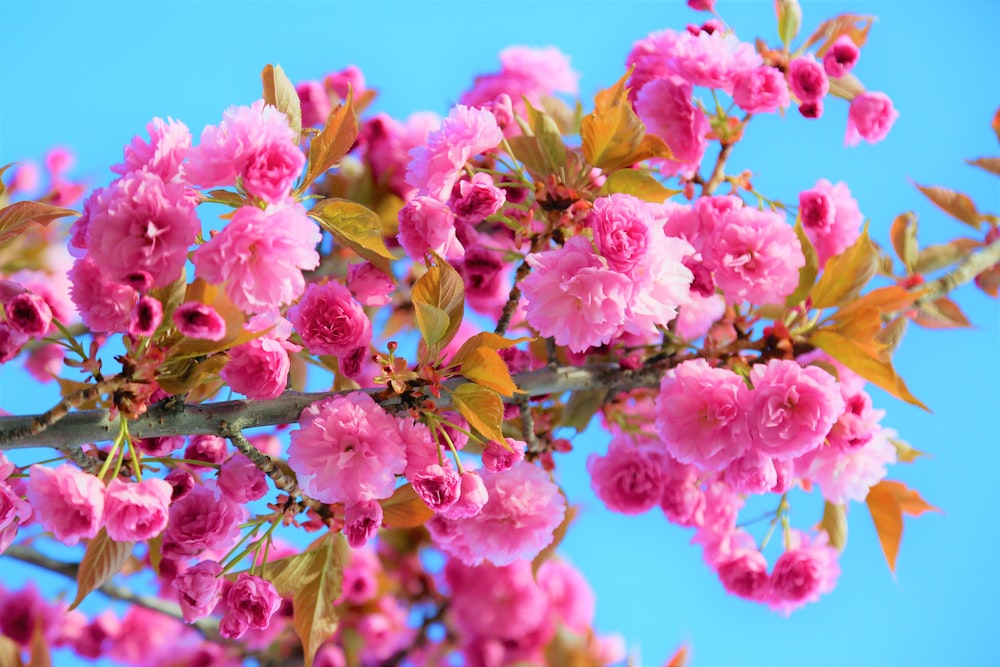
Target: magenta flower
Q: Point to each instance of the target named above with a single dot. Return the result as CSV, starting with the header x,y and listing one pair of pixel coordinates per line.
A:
x,y
135,512
805,571
761,90
830,218
29,314
473,200
807,80
744,574
199,320
104,305
361,522
437,486
201,520
426,224
870,117
253,601
199,589
258,369
841,57
472,498
330,321
241,481
628,479
67,501
347,450
665,106
146,316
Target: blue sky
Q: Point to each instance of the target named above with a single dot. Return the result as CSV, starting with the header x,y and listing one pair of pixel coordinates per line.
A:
x,y
91,75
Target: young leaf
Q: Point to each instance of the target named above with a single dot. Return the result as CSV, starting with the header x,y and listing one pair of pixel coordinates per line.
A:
x,y
485,367
845,275
639,183
990,164
955,204
936,257
354,226
544,127
482,408
904,452
484,339
334,142
16,218
942,313
789,20
10,652
103,559
887,501
583,404
432,323
314,614
41,656
807,274
280,93
903,234
442,287
613,136
845,24
405,509
834,523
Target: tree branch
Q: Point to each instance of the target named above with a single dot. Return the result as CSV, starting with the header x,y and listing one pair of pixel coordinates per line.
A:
x,y
965,272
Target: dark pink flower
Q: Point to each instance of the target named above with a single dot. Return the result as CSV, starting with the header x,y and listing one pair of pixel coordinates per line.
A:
x,y
841,57
805,571
29,314
199,589
199,320
330,321
807,79
147,314
437,486
761,90
241,481
199,521
253,600
426,224
361,522
628,479
744,573
870,118
473,200
208,448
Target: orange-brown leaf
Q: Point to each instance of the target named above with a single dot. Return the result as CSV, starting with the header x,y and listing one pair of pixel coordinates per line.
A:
x,y
10,652
405,509
485,339
854,25
103,559
679,658
942,313
990,164
484,366
955,204
996,124
888,501
903,234
19,216
882,300
334,142
845,274
280,93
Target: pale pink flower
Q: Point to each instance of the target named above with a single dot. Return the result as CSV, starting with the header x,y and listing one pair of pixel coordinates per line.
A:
x,y
701,415
696,318
437,486
104,305
141,223
841,57
199,320
791,408
472,497
661,283
807,80
517,522
571,600
464,134
628,479
201,520
805,571
29,314
253,600
858,423
169,142
843,476
253,143
622,226
135,512
573,296
648,60
369,285
761,90
241,481
45,362
348,449
426,224
666,108
330,321
830,218
711,60
756,257
497,458
525,72
361,522
199,589
67,501
870,117
260,255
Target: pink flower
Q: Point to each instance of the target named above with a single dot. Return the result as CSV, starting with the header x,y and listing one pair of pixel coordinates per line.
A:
x,y
146,316
628,479
421,450
843,476
525,72
473,200
104,305
438,487
13,510
426,224
756,257
665,106
472,498
68,502
701,415
573,296
253,143
744,573
252,600
199,320
807,79
487,280
241,481
135,512
260,255
258,369
830,218
761,90
141,223
696,318
811,109
870,118
524,509
330,321
314,102
169,143
201,520
622,225
570,597
387,144
361,577
711,60
348,449
464,134
338,83
361,522
29,314
11,342
497,458
754,472
661,283
181,482
199,589
207,448
804,572
369,285
791,408
841,57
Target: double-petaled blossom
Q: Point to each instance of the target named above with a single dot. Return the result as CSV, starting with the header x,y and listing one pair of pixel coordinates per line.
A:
x,y
628,479
199,589
870,117
168,146
330,321
136,511
805,571
666,108
67,501
830,218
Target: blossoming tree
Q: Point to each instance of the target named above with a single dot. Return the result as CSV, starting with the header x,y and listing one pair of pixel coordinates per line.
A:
x,y
458,296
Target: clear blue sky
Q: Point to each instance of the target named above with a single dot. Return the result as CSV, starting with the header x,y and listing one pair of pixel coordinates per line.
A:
x,y
91,75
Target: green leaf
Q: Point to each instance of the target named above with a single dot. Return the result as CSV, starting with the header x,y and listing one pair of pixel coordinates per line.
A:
x,y
612,134
545,128
955,204
103,559
314,614
356,227
442,287
482,407
334,142
280,93
807,274
16,218
581,408
432,323
227,197
789,20
834,523
845,274
638,183
936,257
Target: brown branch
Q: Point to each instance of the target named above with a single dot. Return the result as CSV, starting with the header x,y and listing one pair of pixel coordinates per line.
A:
x,y
718,173
965,272
522,272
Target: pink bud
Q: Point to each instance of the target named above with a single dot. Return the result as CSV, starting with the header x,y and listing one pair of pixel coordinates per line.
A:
x,y
147,314
361,522
841,57
29,314
472,498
